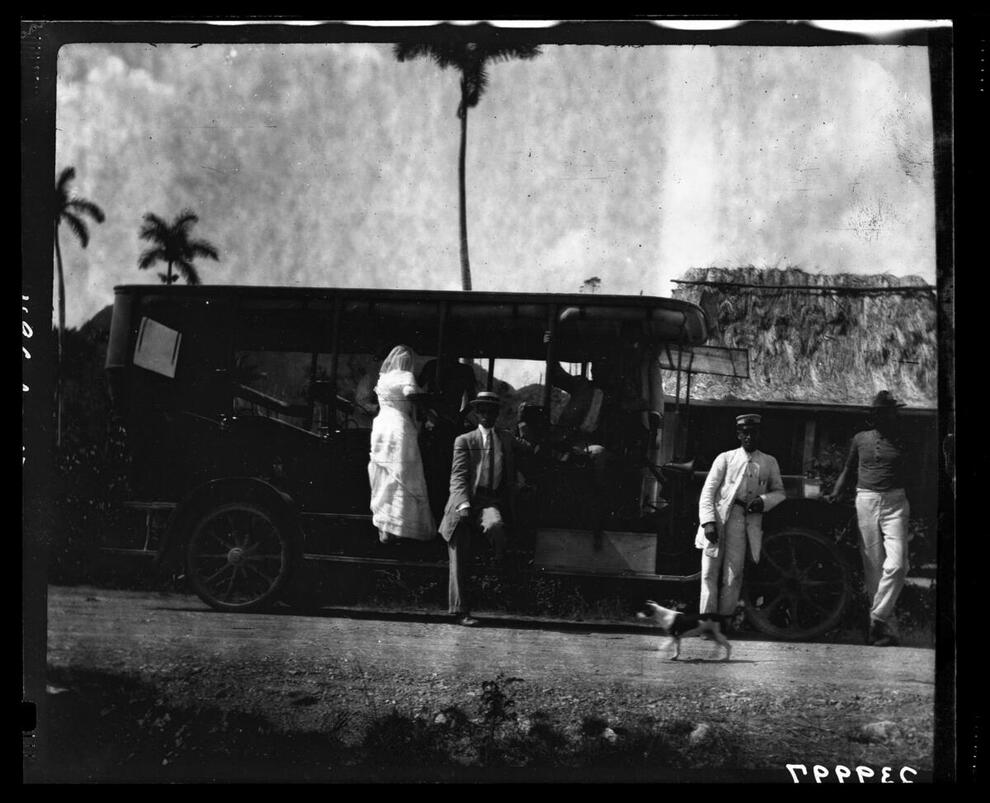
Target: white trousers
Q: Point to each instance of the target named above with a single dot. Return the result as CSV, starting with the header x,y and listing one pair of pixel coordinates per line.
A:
x,y
730,561
883,529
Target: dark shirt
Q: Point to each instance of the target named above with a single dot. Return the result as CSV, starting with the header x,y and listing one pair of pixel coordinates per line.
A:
x,y
458,384
879,461
618,426
581,391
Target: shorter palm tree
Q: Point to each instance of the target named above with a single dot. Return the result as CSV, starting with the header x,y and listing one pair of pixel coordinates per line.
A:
x,y
72,210
171,245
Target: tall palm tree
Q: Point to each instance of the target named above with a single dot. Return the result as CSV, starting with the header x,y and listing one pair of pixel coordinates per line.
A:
x,y
470,58
72,210
171,245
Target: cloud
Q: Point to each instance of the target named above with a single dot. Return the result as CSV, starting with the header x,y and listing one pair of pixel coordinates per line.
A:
x,y
631,164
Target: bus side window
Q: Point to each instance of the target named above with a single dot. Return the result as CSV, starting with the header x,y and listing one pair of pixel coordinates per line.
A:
x,y
266,382
357,374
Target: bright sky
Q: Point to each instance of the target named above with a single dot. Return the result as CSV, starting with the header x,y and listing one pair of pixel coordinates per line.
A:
x,y
630,164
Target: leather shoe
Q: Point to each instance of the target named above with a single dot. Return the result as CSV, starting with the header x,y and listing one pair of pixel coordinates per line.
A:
x,y
882,636
874,632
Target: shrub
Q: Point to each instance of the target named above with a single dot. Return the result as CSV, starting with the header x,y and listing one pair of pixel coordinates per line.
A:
x,y
400,740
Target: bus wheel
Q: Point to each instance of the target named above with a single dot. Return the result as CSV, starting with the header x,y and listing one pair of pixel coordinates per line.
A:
x,y
800,588
240,556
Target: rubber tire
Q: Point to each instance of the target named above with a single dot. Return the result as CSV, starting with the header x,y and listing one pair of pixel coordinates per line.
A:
x,y
818,553
283,542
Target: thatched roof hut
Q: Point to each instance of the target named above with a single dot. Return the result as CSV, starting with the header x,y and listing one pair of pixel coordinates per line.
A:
x,y
818,338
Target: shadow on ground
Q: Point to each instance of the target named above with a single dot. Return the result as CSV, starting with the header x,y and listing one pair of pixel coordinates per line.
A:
x,y
103,727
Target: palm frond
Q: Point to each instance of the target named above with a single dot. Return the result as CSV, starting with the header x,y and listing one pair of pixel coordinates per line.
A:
x,y
474,81
187,270
67,175
496,53
185,220
451,54
443,54
202,248
87,208
468,57
163,278
78,227
406,51
154,228
150,256
172,245
63,205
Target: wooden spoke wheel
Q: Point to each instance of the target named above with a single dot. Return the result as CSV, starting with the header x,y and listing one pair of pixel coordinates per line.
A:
x,y
240,556
800,588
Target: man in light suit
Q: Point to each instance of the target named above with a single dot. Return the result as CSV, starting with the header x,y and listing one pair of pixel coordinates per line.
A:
x,y
741,486
482,484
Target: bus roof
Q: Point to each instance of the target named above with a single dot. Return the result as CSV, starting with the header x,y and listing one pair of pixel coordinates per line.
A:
x,y
481,322
480,296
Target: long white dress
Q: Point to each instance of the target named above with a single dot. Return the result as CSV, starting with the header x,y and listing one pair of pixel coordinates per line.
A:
x,y
400,504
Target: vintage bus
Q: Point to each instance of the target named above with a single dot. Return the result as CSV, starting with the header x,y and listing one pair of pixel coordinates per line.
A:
x,y
248,411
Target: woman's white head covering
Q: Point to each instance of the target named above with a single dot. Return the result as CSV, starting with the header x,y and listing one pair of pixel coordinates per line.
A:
x,y
399,359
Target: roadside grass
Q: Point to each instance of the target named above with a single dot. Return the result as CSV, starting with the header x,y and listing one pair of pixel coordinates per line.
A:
x,y
567,598
103,727
609,600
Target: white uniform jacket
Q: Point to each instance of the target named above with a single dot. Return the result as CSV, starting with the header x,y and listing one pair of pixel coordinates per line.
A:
x,y
720,489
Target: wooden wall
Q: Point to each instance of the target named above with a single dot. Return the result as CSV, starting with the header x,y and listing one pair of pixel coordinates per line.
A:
x,y
795,435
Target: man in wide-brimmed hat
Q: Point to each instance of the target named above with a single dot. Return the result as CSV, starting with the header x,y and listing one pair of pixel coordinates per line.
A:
x,y
877,460
482,483
741,486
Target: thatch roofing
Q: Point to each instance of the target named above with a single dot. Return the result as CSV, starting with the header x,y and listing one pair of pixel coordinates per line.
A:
x,y
817,338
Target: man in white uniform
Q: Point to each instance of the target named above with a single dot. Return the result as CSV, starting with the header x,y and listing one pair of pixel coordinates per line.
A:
x,y
741,485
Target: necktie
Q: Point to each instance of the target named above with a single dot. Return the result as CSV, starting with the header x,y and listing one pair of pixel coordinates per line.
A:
x,y
746,487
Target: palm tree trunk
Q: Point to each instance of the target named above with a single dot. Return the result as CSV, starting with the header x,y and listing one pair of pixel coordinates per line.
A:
x,y
59,341
168,278
465,263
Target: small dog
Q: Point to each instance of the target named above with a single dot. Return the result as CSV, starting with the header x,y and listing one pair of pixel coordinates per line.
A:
x,y
679,625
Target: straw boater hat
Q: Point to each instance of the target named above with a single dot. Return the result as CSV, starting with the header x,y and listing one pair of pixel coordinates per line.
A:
x,y
486,397
748,419
885,400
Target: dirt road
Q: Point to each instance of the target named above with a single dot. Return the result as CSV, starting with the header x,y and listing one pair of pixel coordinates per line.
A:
x,y
124,628
775,702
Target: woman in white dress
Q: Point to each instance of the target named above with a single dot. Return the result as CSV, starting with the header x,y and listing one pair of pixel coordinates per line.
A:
x,y
400,505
